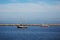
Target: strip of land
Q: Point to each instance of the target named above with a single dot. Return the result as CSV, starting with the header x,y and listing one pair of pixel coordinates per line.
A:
x,y
29,24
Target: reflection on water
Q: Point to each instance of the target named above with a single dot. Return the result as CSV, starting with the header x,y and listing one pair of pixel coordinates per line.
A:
x,y
31,33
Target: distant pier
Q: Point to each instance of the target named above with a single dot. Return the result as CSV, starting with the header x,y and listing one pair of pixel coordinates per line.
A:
x,y
26,25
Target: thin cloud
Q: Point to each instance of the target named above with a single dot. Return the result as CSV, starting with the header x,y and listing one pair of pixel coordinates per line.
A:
x,y
29,7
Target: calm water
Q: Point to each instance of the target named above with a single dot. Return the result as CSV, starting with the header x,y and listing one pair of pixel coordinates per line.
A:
x,y
30,33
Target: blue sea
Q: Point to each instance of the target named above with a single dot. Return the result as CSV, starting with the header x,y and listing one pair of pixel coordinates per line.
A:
x,y
30,33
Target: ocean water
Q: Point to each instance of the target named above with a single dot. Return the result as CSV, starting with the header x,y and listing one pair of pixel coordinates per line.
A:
x,y
30,33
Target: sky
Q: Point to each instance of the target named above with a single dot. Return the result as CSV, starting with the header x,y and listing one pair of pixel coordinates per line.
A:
x,y
32,9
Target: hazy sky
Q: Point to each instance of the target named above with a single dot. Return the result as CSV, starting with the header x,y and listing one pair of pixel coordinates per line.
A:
x,y
33,9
